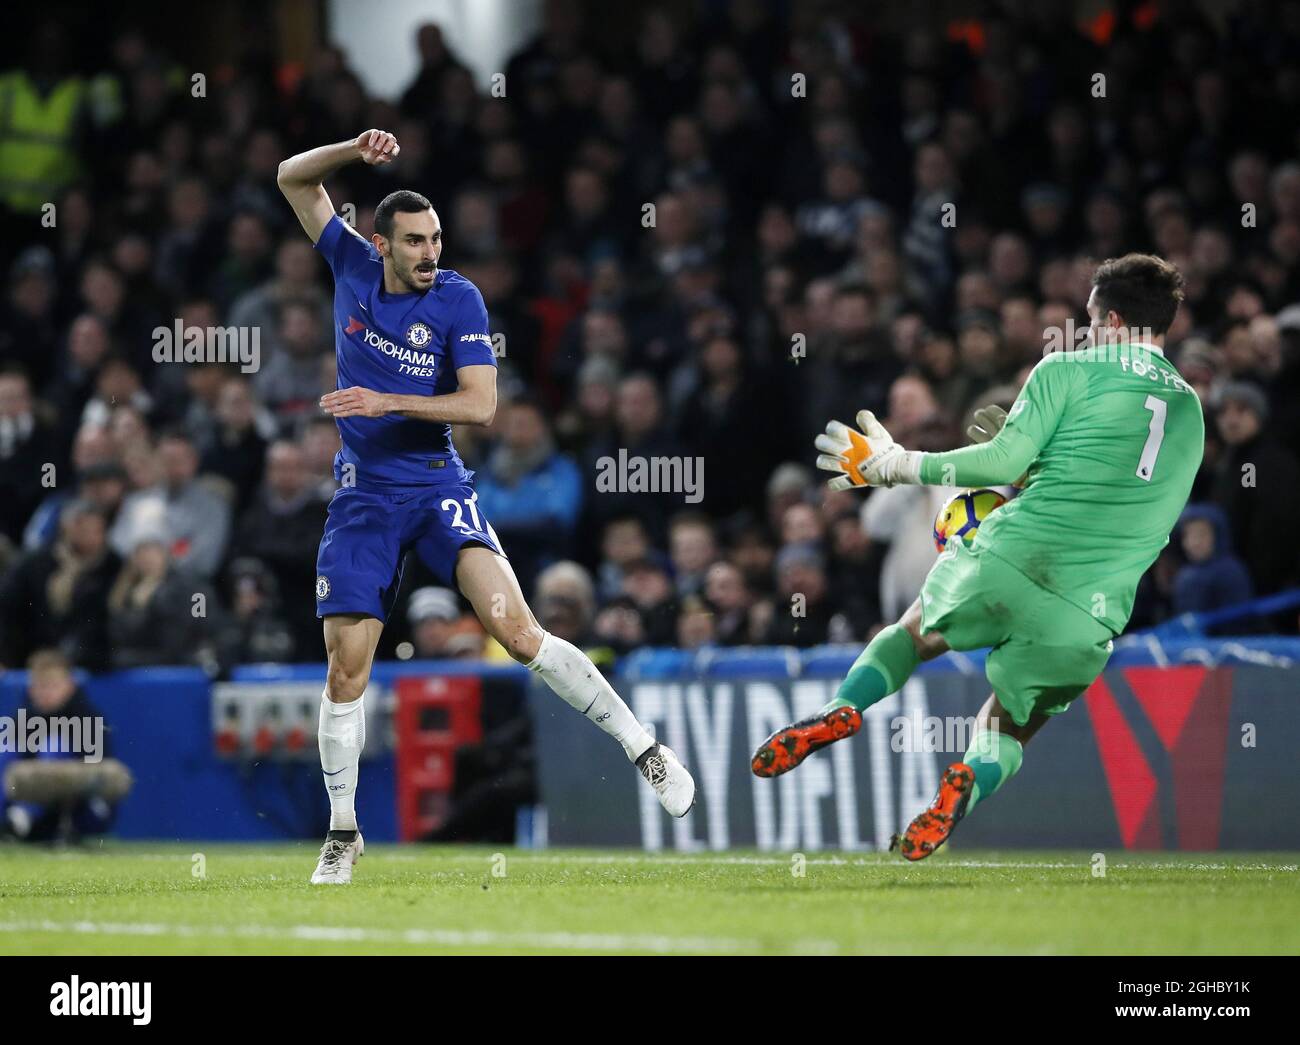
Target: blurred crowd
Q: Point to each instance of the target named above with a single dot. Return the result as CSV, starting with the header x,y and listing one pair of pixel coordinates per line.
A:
x,y
796,266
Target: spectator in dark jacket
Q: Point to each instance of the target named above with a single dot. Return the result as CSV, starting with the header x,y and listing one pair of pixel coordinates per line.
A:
x,y
254,631
1258,484
237,450
29,449
58,596
855,562
155,613
88,346
728,408
729,599
849,368
282,529
1214,577
651,590
639,442
801,614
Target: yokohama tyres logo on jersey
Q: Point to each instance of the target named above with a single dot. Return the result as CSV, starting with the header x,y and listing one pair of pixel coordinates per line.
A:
x,y
399,352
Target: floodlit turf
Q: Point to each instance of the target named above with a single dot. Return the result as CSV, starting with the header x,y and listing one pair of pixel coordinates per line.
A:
x,y
148,899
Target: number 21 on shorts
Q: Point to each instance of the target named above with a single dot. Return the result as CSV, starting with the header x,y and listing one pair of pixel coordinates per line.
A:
x,y
458,519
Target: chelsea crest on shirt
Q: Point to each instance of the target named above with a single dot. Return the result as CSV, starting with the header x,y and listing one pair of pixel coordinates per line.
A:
x,y
418,335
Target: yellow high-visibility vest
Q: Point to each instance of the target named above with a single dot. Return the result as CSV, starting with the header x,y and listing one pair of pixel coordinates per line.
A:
x,y
38,157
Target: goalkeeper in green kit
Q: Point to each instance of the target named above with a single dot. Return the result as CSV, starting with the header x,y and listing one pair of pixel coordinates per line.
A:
x,y
1105,441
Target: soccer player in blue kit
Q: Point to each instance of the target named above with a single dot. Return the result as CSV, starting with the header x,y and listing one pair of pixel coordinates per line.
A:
x,y
415,357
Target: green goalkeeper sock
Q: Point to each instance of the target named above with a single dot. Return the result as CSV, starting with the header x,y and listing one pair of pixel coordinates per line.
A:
x,y
995,757
881,669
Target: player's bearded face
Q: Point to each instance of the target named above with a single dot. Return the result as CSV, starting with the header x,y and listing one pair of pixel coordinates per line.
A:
x,y
415,247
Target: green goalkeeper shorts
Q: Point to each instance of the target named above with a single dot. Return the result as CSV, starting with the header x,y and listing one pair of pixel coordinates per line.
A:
x,y
1043,650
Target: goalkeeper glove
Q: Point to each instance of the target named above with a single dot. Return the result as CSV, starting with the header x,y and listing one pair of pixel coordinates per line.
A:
x,y
988,423
869,457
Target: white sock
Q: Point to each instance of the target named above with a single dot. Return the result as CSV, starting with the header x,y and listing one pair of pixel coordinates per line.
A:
x,y
578,682
341,736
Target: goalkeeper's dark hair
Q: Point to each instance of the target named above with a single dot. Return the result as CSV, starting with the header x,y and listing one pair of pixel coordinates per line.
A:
x,y
1142,289
403,200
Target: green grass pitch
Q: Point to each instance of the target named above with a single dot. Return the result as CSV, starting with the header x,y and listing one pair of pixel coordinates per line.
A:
x,y
129,898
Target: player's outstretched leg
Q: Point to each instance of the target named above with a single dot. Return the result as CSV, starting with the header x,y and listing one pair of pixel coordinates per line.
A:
x,y
350,641
995,754
489,583
881,669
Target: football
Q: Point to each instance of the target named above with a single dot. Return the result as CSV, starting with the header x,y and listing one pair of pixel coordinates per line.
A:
x,y
962,514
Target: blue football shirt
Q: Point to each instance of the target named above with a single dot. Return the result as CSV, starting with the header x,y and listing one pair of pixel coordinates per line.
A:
x,y
407,344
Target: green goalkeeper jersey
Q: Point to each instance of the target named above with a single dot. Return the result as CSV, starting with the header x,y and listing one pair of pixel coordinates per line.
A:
x,y
1112,439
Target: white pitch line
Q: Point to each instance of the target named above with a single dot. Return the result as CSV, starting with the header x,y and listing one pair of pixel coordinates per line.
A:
x,y
442,937
836,861
649,859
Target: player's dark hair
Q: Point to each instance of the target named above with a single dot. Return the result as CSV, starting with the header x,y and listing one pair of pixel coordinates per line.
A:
x,y
403,200
1142,289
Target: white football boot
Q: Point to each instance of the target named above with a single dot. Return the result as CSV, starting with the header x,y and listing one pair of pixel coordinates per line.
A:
x,y
336,859
672,783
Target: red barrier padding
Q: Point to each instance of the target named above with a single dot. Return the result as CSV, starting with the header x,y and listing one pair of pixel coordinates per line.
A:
x,y
434,717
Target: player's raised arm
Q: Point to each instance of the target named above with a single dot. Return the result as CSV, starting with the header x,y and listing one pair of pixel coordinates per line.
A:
x,y
300,177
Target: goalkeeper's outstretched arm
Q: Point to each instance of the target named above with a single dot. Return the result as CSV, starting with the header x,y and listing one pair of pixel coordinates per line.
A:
x,y
999,462
869,456
1004,458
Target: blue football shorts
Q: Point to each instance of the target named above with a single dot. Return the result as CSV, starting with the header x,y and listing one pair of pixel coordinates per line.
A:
x,y
367,535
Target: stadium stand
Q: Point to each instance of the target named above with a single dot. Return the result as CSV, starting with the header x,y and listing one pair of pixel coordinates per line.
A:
x,y
780,221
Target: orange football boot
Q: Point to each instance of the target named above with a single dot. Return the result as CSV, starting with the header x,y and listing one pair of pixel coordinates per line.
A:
x,y
931,829
787,747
